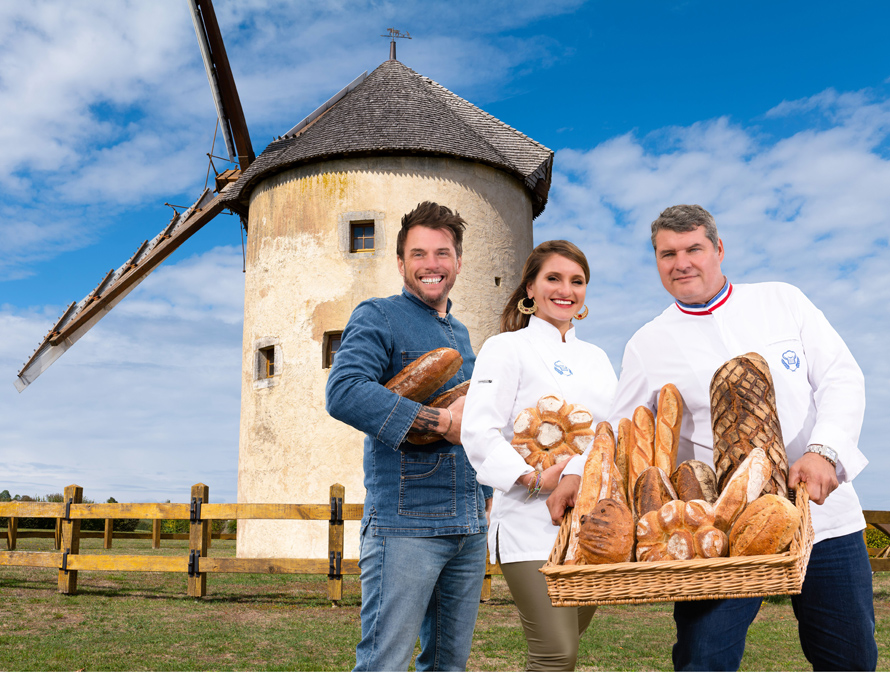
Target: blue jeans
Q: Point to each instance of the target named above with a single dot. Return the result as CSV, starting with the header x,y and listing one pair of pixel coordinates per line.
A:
x,y
835,615
426,586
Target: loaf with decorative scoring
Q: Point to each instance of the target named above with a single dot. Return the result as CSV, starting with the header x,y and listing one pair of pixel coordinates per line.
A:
x,y
552,431
744,487
667,428
680,531
642,453
607,534
744,416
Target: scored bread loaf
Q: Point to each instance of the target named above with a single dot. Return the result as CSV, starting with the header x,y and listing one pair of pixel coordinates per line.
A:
x,y
642,452
766,526
552,431
443,401
421,378
606,534
652,490
745,486
623,443
604,427
680,531
695,480
667,428
743,415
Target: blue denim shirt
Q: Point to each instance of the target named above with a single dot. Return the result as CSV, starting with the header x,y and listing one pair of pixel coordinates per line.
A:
x,y
412,491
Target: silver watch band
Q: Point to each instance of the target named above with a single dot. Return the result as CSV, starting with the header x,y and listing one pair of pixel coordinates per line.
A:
x,y
826,452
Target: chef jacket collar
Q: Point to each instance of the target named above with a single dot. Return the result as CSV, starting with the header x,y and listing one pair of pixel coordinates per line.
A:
x,y
706,309
546,330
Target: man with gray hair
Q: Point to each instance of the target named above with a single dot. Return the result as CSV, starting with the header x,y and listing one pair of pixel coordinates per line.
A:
x,y
820,395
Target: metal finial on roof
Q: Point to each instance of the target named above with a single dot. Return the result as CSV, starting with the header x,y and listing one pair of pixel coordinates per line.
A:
x,y
393,33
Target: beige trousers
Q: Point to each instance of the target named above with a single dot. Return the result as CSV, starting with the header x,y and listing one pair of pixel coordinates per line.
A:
x,y
552,633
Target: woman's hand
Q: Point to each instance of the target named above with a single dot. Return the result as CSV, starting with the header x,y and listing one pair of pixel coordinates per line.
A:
x,y
549,477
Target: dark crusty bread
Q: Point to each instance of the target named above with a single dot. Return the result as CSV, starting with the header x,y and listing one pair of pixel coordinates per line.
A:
x,y
443,401
421,378
695,480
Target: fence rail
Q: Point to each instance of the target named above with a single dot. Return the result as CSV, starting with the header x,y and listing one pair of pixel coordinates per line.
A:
x,y
69,514
200,513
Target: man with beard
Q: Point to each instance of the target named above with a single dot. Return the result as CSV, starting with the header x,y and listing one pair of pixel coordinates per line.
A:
x,y
423,548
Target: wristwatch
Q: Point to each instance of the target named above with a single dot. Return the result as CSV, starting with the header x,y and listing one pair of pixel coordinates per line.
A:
x,y
826,452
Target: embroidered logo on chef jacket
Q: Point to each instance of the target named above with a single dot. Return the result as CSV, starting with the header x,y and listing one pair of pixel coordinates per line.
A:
x,y
561,368
791,361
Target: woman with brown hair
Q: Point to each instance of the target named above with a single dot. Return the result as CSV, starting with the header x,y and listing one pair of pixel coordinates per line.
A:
x,y
537,353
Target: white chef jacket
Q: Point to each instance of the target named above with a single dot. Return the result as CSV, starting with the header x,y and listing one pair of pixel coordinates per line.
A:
x,y
513,371
820,390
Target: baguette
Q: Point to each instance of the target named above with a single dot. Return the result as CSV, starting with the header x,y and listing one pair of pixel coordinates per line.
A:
x,y
597,482
443,401
642,451
667,432
624,442
421,378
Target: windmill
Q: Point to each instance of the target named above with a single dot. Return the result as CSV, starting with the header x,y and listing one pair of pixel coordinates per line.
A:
x,y
322,205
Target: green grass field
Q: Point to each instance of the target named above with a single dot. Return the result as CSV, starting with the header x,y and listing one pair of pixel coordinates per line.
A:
x,y
144,621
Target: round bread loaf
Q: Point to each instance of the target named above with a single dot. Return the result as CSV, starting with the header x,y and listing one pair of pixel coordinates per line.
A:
x,y
652,490
766,526
552,431
607,534
695,480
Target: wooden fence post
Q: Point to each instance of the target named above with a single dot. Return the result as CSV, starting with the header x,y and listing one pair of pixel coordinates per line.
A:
x,y
155,533
335,543
198,530
70,540
57,538
109,531
12,529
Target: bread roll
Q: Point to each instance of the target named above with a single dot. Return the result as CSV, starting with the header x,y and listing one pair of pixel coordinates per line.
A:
x,y
652,490
443,401
552,432
695,480
745,486
766,526
642,453
679,531
667,428
421,378
607,534
743,415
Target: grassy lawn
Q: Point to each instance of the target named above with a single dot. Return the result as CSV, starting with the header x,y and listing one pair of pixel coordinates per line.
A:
x,y
144,621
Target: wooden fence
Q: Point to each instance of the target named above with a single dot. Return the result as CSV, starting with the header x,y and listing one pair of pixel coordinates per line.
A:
x,y
200,513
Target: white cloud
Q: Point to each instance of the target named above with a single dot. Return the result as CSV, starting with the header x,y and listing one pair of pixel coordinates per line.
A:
x,y
145,404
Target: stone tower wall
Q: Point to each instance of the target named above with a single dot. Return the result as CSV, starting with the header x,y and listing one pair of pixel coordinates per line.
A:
x,y
302,281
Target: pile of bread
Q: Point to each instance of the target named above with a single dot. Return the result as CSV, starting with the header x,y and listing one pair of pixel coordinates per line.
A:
x,y
636,503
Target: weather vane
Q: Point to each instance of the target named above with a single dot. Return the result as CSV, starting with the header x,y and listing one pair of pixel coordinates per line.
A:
x,y
393,33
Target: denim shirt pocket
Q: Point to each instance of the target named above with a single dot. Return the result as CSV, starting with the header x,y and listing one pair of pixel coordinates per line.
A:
x,y
428,485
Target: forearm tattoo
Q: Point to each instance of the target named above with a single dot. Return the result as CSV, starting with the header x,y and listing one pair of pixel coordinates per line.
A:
x,y
428,420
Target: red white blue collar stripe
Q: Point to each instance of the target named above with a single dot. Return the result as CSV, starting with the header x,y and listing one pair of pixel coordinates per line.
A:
x,y
706,309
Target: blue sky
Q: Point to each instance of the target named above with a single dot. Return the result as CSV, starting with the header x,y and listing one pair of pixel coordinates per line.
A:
x,y
774,116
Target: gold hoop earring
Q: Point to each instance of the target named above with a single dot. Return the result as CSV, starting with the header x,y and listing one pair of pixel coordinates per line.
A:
x,y
582,315
527,310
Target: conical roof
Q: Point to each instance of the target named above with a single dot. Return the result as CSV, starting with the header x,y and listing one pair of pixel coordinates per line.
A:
x,y
396,111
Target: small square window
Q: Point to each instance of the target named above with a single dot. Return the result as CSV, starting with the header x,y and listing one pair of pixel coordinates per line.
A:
x,y
266,363
330,345
361,236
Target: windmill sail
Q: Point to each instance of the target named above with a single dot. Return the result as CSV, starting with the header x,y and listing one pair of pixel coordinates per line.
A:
x,y
79,317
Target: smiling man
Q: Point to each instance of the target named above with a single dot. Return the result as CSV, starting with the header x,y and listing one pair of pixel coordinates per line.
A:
x,y
820,397
423,547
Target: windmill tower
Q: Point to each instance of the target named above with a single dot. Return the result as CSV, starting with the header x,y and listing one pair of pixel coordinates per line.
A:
x,y
322,206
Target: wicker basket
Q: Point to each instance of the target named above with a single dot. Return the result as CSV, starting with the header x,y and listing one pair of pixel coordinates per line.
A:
x,y
698,579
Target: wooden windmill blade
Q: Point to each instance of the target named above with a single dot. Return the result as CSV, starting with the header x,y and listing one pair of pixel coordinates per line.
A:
x,y
222,83
80,317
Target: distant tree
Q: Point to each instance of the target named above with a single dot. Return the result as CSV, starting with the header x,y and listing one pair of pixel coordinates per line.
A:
x,y
4,496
